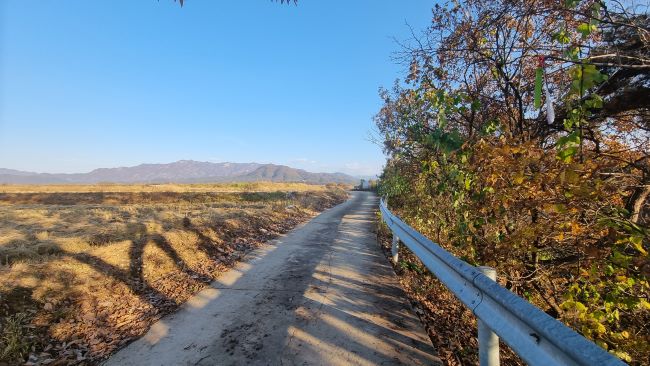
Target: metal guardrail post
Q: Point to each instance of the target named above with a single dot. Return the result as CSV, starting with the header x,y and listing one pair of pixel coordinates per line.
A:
x,y
488,341
395,248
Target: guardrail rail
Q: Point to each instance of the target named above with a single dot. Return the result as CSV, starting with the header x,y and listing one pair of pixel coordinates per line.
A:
x,y
535,336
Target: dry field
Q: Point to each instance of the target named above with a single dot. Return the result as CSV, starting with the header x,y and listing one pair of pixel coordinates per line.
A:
x,y
86,269
167,187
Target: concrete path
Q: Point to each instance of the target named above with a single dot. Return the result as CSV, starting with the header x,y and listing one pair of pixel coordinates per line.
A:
x,y
324,294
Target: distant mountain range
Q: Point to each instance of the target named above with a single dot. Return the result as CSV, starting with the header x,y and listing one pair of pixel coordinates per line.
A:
x,y
183,171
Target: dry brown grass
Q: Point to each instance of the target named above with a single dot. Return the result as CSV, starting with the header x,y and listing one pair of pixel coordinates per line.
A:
x,y
168,187
83,271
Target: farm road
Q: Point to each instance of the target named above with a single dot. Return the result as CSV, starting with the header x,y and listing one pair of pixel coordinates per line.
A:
x,y
324,294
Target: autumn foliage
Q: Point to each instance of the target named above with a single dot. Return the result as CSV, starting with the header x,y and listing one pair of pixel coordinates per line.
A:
x,y
521,140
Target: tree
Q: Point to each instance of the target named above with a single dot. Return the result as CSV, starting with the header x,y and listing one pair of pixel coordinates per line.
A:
x,y
522,131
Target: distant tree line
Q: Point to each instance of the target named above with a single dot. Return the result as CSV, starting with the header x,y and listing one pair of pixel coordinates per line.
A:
x,y
367,185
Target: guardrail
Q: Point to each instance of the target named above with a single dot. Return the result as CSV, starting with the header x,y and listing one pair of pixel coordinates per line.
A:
x,y
535,336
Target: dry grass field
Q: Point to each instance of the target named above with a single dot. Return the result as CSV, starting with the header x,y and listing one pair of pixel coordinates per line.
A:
x,y
164,187
86,269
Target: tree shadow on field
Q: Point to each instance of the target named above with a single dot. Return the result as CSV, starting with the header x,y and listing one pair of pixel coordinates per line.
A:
x,y
132,277
106,298
34,250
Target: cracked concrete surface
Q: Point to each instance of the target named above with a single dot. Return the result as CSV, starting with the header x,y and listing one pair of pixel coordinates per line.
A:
x,y
324,294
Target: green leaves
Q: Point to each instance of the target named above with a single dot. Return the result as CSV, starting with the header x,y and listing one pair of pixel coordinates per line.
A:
x,y
490,127
572,53
571,139
475,105
393,185
410,266
566,155
562,37
571,3
595,101
586,29
567,146
446,142
539,78
636,242
584,77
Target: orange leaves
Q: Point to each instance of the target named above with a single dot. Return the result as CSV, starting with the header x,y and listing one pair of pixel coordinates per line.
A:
x,y
535,217
492,179
576,229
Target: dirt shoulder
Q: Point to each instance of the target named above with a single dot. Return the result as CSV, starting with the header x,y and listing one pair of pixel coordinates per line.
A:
x,y
450,325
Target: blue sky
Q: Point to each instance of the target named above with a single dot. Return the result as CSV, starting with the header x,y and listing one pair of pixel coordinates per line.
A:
x,y
104,83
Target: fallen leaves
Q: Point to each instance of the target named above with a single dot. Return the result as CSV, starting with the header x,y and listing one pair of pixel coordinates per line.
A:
x,y
450,325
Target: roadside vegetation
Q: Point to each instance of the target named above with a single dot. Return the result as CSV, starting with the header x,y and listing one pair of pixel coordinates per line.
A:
x,y
86,269
520,139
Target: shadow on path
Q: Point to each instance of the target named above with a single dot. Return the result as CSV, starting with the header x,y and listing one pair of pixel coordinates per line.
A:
x,y
323,294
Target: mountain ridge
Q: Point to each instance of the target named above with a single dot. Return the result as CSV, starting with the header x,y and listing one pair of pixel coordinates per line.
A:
x,y
182,171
